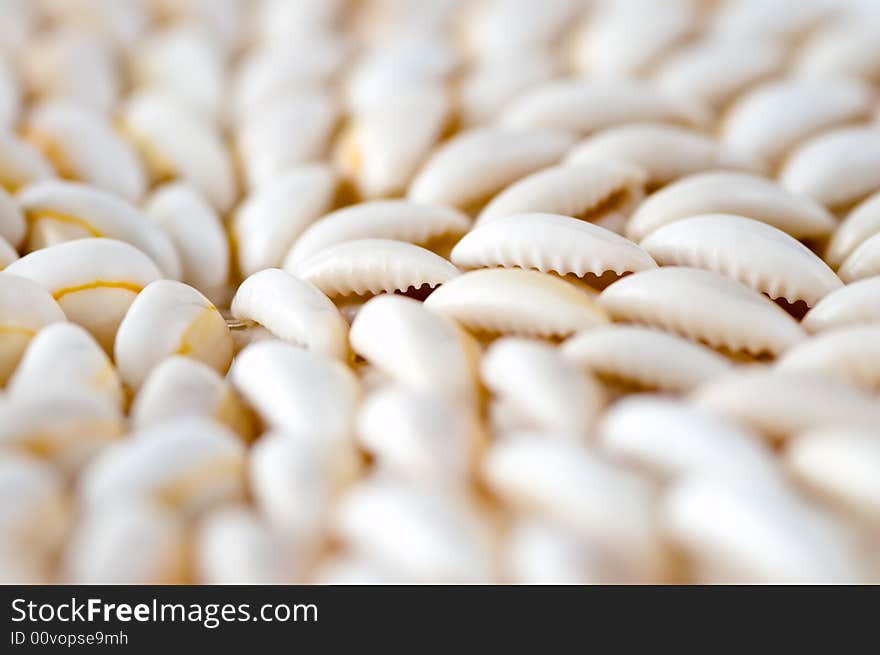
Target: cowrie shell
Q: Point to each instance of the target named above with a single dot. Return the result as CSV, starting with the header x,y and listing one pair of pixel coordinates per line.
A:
x,y
170,318
496,27
174,142
513,301
780,20
782,403
644,357
671,439
475,165
416,348
182,386
25,308
274,216
863,262
547,390
422,438
400,220
102,544
93,280
83,146
758,255
859,225
422,534
584,106
770,120
223,21
565,482
374,266
8,254
836,168
64,356
715,70
292,310
187,465
297,391
850,352
114,23
200,240
382,147
20,165
10,95
840,465
65,427
549,242
12,223
702,305
235,546
846,48
63,211
603,193
769,535
663,152
731,193
857,302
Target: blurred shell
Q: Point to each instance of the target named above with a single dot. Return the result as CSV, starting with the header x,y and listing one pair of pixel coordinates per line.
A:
x,y
859,225
8,254
857,302
852,353
863,262
20,164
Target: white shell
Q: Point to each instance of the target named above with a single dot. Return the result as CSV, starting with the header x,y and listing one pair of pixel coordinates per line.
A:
x,y
94,280
273,216
65,427
8,254
64,356
33,511
12,223
373,265
864,261
846,48
851,352
415,347
565,482
176,143
183,386
417,436
62,211
475,165
758,255
671,439
293,310
25,308
645,357
514,301
187,464
858,302
549,242
10,94
702,305
584,106
603,193
297,391
836,168
782,403
537,551
843,465
20,164
545,390
499,26
400,220
83,146
770,120
859,225
197,234
663,152
731,193
170,318
424,535
756,534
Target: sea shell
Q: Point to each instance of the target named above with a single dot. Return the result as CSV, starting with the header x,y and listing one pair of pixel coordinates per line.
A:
x,y
731,193
549,242
851,352
644,357
846,48
702,305
20,165
8,254
513,301
756,254
863,262
859,225
858,302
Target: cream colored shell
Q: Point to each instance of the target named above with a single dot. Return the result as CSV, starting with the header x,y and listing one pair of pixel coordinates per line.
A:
x,y
758,255
864,262
857,302
20,164
850,352
549,242
859,225
513,301
8,254
702,305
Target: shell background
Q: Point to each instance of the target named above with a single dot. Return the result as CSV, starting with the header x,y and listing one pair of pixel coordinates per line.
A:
x,y
278,354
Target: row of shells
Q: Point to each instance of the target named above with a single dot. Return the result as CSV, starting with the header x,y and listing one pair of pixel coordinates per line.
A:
x,y
399,291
